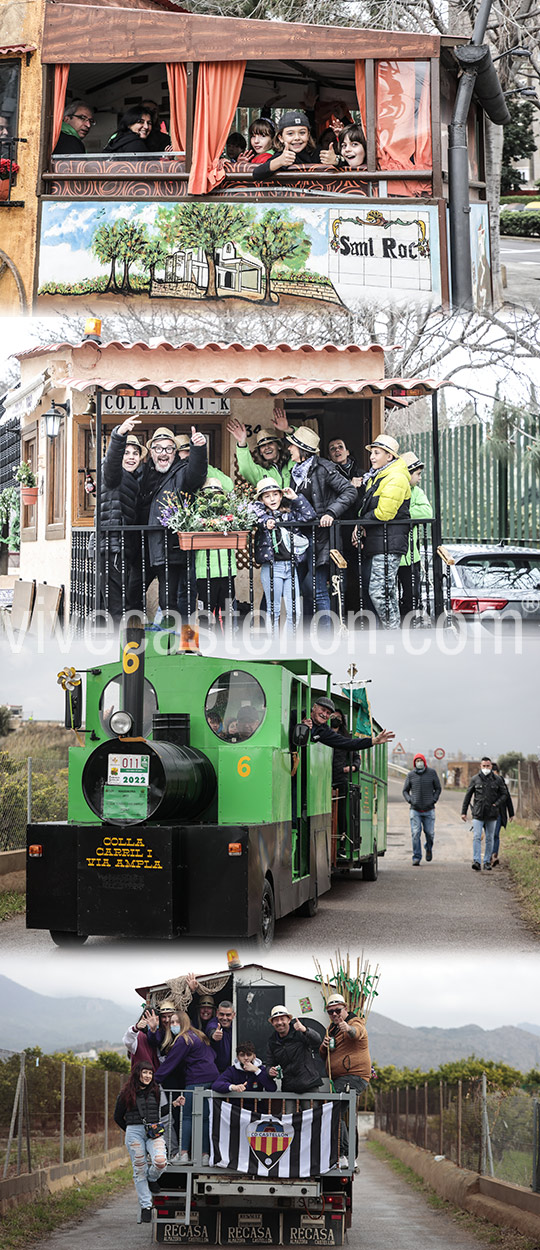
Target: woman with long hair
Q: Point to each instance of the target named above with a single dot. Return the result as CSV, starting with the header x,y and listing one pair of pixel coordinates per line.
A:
x,y
134,129
189,1065
137,1114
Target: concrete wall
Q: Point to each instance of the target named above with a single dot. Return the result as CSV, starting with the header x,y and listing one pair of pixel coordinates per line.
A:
x,y
509,1206
32,1185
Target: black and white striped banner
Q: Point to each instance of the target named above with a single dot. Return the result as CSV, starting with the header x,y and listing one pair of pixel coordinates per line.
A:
x,y
302,1144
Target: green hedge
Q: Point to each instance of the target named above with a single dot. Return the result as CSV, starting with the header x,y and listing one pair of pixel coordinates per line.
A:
x,y
525,224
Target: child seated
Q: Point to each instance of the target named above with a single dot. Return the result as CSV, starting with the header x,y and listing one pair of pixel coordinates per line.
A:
x,y
352,150
284,549
260,141
293,145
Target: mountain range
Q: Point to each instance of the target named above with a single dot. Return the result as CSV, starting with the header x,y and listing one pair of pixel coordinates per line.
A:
x,y
30,1019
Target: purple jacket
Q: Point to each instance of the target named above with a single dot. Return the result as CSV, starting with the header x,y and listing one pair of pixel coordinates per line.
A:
x,y
223,1049
236,1076
187,1063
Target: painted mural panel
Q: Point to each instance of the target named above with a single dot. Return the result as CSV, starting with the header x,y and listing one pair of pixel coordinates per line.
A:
x,y
267,254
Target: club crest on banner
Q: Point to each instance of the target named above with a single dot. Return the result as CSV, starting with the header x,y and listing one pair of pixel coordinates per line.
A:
x,y
269,1140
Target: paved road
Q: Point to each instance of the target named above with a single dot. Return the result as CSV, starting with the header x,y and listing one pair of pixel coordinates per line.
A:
x,y
522,260
388,1212
441,904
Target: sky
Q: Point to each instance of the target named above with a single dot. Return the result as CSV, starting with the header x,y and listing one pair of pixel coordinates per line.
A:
x,y
476,703
416,989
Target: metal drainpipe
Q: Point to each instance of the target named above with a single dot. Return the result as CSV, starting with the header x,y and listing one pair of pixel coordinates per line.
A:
x,y
458,176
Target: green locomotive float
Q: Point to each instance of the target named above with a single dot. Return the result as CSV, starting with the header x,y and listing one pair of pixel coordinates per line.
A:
x,y
196,807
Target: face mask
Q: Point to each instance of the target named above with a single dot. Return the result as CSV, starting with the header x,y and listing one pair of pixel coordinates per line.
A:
x,y
420,767
175,1029
485,771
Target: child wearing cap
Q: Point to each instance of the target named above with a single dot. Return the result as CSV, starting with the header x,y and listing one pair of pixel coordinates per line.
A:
x,y
386,498
279,550
293,144
217,567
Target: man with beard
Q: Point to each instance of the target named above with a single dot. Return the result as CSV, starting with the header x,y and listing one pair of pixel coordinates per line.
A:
x,y
168,474
291,1049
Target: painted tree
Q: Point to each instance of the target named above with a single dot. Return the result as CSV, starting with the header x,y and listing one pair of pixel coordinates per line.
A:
x,y
275,237
133,244
155,254
106,245
208,226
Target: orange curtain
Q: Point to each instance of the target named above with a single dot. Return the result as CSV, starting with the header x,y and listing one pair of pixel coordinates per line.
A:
x,y
177,80
61,75
218,92
403,134
360,81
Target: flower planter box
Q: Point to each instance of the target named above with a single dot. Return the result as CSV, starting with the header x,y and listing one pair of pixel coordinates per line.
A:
x,y
204,540
29,495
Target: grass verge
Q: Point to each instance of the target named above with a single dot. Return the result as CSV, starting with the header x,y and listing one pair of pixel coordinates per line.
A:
x,y
488,1234
31,1221
521,852
12,903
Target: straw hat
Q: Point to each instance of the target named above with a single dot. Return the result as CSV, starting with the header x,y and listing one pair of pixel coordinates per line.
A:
x,y
162,433
335,1000
213,483
306,439
267,483
411,460
267,436
280,1010
183,442
133,441
386,443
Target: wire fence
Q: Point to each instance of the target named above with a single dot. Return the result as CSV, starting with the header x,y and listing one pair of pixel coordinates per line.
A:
x,y
526,794
491,1132
35,788
53,1111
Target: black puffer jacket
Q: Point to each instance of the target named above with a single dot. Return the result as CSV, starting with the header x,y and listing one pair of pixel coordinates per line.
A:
x,y
328,491
294,1055
422,790
119,496
126,142
145,1111
349,470
185,477
487,796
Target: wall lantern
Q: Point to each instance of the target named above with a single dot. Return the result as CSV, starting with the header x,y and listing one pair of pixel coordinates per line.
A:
x,y
53,418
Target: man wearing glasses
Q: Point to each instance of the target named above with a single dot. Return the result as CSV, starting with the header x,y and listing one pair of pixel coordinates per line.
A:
x,y
345,1050
78,120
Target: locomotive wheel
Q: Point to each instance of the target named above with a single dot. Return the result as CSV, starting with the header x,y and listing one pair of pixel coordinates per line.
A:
x,y
62,938
370,870
267,921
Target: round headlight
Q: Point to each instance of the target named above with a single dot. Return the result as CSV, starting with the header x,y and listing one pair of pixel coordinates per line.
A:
x,y
121,723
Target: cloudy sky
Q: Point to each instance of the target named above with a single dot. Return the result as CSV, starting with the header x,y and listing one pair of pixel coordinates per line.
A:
x,y
415,988
464,701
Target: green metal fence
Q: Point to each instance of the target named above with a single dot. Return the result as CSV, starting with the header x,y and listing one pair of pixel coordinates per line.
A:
x,y
482,498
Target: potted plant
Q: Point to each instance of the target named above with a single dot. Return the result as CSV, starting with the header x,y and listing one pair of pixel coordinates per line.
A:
x,y
8,170
27,479
216,519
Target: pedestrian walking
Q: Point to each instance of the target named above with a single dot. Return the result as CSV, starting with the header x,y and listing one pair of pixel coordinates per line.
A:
x,y
422,791
506,813
485,796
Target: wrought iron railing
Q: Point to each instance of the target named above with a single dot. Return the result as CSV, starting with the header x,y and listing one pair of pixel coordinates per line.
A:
x,y
334,587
